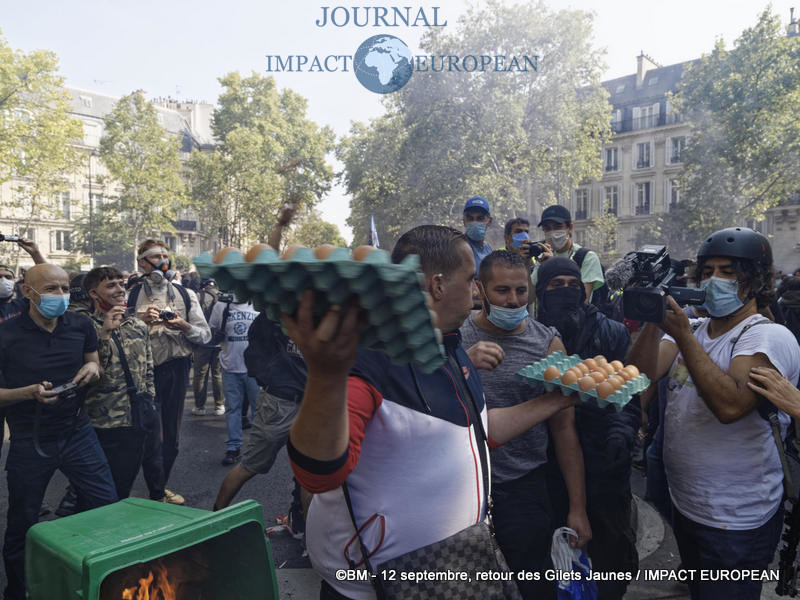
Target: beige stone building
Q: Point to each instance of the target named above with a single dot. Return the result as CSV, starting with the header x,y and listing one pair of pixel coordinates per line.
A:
x,y
89,189
642,163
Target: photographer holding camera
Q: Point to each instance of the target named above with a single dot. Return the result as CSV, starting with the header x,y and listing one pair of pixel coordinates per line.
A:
x,y
121,403
721,461
176,321
47,356
556,223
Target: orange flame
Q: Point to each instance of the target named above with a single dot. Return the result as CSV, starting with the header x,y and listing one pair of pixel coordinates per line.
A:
x,y
156,586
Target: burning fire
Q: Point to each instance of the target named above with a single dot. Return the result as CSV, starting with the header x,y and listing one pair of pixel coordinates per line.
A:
x,y
156,586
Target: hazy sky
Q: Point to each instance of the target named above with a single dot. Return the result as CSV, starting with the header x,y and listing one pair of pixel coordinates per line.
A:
x,y
177,48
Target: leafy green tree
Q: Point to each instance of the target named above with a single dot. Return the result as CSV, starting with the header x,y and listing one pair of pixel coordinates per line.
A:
x,y
312,230
743,155
37,133
603,234
507,136
269,155
144,163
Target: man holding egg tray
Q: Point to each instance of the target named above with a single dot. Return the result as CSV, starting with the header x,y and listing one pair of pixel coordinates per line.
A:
x,y
721,461
402,440
503,339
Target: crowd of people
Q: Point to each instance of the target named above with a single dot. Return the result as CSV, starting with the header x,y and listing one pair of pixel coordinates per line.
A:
x,y
390,459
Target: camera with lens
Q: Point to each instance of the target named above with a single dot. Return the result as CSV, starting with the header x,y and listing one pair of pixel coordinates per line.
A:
x,y
166,315
652,279
225,298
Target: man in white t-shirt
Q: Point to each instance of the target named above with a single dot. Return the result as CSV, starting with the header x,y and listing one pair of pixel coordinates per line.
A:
x,y
722,464
230,322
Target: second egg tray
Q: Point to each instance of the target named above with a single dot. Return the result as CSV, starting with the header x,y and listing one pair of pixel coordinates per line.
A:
x,y
399,321
534,375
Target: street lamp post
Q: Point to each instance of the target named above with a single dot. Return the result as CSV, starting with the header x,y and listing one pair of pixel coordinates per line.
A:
x,y
91,213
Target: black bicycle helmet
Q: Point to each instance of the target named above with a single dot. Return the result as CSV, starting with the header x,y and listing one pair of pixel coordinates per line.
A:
x,y
737,242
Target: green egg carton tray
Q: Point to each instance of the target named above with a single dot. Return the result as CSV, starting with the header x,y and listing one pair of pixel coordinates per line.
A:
x,y
399,321
534,374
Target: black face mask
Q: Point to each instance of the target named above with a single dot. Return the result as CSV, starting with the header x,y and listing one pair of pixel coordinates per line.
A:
x,y
561,301
561,308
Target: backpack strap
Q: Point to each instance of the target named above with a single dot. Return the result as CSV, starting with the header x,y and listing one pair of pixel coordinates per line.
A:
x,y
187,302
579,255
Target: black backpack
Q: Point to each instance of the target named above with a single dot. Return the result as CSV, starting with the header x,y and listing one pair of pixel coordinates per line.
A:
x,y
600,296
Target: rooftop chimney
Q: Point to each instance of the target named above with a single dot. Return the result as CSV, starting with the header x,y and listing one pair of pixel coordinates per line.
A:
x,y
644,64
794,25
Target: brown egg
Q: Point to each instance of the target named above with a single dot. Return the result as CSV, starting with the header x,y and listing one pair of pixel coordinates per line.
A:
x,y
623,374
290,250
253,253
551,373
632,370
598,376
590,363
609,370
617,382
362,252
601,360
616,364
605,389
569,378
324,251
582,368
220,256
586,383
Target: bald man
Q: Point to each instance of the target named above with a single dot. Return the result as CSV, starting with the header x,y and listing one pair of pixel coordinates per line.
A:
x,y
42,352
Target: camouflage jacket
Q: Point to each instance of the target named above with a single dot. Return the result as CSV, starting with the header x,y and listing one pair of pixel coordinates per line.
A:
x,y
108,403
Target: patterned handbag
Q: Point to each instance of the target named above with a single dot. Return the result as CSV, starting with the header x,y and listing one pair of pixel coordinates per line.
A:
x,y
446,570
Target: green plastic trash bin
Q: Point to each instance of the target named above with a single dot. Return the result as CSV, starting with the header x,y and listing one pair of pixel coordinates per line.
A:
x,y
197,554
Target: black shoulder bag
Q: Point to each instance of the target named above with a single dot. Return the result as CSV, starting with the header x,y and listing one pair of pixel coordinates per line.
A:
x,y
468,551
143,411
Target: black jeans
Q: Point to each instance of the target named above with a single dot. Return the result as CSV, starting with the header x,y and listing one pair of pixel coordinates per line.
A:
x,y
523,524
704,547
170,380
124,448
79,456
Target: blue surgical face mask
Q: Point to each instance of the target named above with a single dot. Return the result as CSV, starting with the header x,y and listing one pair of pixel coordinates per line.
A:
x,y
476,231
507,319
518,238
722,297
52,306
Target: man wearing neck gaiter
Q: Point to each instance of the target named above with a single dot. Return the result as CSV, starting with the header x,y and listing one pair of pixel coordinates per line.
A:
x,y
606,436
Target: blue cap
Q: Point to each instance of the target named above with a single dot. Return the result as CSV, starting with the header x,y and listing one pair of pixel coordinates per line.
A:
x,y
477,202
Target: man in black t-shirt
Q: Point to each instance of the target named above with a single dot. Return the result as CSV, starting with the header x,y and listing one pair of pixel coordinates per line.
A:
x,y
41,350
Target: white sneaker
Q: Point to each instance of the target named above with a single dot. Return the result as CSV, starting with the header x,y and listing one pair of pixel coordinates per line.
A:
x,y
219,410
198,412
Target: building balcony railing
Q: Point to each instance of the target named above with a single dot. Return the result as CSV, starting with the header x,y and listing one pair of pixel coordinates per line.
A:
x,y
580,215
645,122
610,168
643,164
674,118
642,209
675,159
184,225
612,210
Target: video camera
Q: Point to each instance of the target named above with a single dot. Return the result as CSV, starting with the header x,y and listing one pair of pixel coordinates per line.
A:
x,y
644,297
225,298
